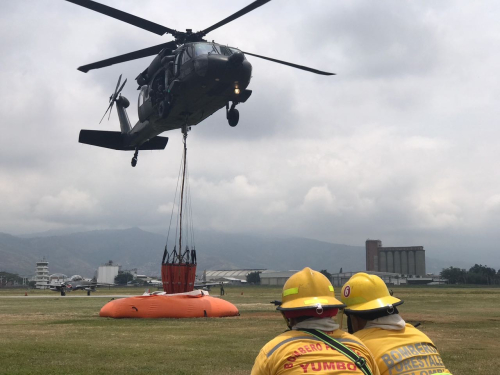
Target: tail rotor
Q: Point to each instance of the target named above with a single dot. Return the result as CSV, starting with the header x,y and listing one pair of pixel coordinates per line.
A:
x,y
114,97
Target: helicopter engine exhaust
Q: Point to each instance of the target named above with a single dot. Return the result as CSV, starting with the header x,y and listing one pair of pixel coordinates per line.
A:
x,y
236,59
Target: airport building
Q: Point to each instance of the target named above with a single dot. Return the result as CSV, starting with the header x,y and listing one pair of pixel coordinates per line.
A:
x,y
42,274
275,277
399,260
57,279
230,276
279,278
267,277
390,278
394,265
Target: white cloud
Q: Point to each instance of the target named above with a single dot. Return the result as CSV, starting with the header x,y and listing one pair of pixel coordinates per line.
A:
x,y
69,205
492,204
401,144
277,207
318,199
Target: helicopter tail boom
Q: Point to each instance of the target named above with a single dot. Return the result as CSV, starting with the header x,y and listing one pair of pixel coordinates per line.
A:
x,y
119,141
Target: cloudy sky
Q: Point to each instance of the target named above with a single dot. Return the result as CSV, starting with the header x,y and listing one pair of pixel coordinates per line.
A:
x,y
401,145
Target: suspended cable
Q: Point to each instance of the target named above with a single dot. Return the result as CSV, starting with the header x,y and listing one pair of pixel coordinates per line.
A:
x,y
191,211
179,271
173,204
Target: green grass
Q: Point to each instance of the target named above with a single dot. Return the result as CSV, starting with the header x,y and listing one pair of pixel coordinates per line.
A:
x,y
67,336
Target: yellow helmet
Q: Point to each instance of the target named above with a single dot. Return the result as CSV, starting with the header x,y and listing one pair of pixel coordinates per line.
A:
x,y
367,293
306,290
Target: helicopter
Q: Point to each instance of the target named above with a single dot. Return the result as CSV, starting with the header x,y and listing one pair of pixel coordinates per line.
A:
x,y
189,79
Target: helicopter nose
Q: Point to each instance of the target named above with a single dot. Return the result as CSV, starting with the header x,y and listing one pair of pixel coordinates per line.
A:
x,y
236,59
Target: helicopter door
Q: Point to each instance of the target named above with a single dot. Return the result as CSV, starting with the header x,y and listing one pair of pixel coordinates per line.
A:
x,y
184,63
144,105
177,65
187,64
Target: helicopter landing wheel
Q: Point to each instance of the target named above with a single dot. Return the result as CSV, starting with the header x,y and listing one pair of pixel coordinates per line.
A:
x,y
133,162
163,108
88,293
233,116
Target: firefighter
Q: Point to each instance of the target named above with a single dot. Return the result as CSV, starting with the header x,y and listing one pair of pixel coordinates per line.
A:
x,y
373,317
314,343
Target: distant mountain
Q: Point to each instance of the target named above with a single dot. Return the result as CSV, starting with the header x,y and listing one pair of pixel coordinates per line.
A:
x,y
82,253
55,232
435,266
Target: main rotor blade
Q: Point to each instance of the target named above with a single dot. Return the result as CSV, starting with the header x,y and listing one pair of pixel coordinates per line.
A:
x,y
301,67
125,17
128,56
236,15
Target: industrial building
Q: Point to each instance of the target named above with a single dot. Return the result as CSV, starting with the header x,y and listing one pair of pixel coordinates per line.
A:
x,y
399,260
107,272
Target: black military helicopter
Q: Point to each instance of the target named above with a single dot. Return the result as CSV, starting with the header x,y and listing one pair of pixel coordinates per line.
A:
x,y
188,80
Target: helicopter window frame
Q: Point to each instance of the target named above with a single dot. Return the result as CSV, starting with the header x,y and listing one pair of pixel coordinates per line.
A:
x,y
228,51
201,51
143,95
177,64
187,55
225,50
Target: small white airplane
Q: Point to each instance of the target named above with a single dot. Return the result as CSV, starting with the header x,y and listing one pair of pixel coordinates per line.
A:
x,y
76,282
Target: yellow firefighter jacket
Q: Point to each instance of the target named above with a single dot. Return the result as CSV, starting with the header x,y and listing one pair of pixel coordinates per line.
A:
x,y
403,352
295,352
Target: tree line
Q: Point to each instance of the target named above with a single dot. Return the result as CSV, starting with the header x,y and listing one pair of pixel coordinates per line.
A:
x,y
477,274
10,279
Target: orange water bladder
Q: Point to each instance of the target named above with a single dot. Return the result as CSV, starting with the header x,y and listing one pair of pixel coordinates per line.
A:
x,y
196,304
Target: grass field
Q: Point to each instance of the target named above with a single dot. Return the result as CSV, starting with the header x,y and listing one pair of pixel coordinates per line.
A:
x,y
66,335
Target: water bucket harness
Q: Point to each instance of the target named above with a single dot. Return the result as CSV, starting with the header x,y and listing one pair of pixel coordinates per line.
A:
x,y
360,362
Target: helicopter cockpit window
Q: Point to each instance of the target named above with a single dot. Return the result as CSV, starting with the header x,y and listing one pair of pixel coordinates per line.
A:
x,y
234,50
205,49
143,95
227,51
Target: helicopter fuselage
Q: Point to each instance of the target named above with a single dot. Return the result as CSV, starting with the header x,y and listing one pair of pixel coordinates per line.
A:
x,y
189,86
